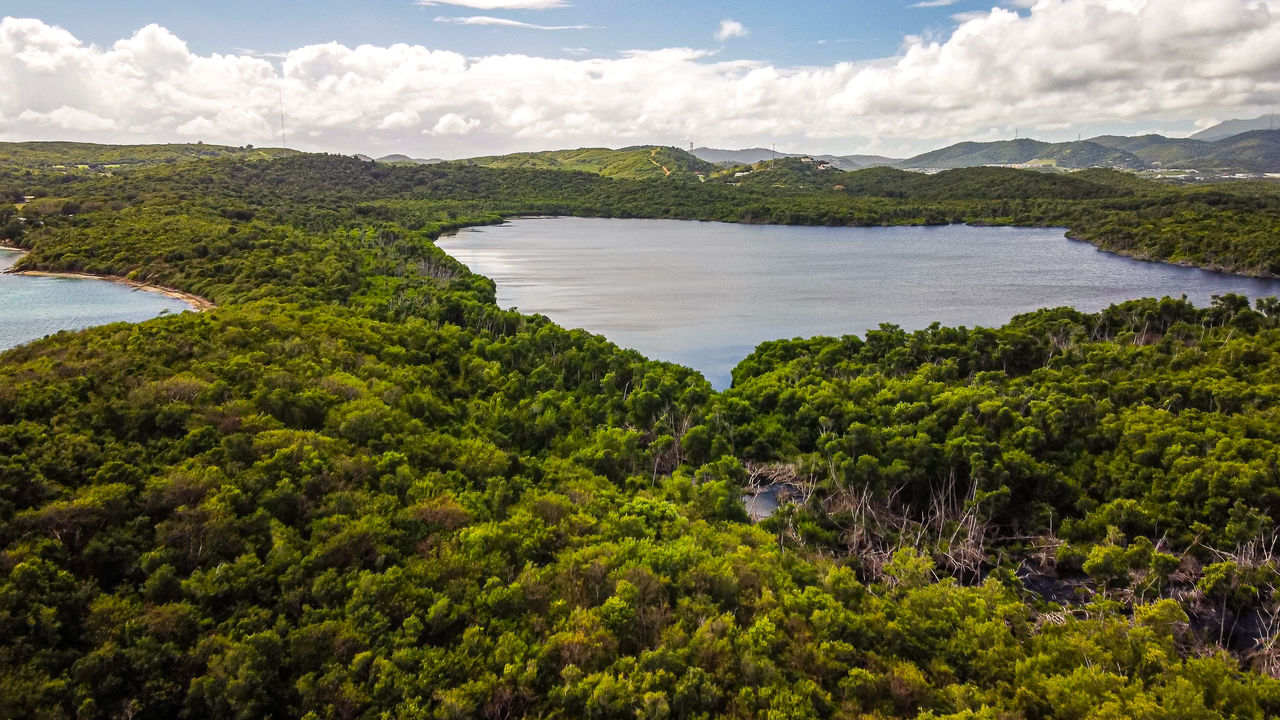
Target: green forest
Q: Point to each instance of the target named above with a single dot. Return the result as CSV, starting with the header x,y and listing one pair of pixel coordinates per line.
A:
x,y
358,488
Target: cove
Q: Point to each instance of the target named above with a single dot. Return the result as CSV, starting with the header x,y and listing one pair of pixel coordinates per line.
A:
x,y
34,306
705,294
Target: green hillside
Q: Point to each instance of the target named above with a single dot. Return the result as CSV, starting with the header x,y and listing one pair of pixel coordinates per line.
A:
x,y
1085,154
1003,152
1251,152
1072,155
70,156
1255,151
360,489
784,172
635,163
42,168
966,183
1139,143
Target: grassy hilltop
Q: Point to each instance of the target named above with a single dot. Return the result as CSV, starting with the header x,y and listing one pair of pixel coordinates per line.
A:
x,y
638,163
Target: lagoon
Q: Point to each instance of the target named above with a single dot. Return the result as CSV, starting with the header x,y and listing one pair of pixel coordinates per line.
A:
x,y
32,307
705,294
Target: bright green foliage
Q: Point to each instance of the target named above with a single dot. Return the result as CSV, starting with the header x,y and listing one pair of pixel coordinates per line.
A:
x,y
359,489
1152,417
638,163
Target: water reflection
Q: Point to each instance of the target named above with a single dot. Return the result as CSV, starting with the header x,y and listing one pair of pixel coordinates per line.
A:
x,y
705,294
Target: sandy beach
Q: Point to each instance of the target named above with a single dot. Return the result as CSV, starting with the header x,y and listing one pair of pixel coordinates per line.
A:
x,y
196,302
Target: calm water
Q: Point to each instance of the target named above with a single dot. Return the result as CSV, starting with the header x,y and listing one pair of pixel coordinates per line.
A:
x,y
705,294
32,307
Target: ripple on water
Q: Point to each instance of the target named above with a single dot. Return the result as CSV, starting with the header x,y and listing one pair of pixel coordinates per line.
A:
x,y
705,294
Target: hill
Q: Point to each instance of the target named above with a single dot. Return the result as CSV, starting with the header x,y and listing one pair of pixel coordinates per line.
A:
x,y
41,166
1071,155
967,183
747,156
633,163
1139,143
1234,127
866,161
69,156
1252,151
973,183
750,156
397,158
1255,151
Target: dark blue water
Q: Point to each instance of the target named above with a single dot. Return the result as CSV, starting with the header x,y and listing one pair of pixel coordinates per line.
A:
x,y
705,294
32,307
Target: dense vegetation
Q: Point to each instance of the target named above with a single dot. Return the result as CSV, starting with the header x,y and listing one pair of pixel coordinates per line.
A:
x,y
360,489
1256,151
1233,226
1076,155
638,163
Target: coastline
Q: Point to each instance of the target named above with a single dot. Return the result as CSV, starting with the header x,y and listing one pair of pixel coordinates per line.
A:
x,y
1143,257
1068,232
197,303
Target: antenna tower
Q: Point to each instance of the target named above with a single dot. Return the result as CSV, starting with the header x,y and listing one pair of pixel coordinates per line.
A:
x,y
281,116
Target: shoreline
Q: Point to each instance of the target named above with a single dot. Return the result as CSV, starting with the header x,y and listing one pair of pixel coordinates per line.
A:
x,y
1142,257
1068,232
197,303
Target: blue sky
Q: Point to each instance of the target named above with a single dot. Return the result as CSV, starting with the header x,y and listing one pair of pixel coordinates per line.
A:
x,y
457,78
793,33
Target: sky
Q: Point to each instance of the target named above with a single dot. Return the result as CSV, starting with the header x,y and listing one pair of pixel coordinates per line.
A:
x,y
460,78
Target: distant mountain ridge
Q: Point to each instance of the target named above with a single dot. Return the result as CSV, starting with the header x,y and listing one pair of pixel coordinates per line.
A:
x,y
1071,155
1256,151
1224,130
397,158
1250,153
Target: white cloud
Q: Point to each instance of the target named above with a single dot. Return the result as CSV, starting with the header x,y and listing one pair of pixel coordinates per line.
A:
x,y
67,118
454,124
1092,63
730,29
504,22
399,120
231,122
933,3
198,126
260,53
498,4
